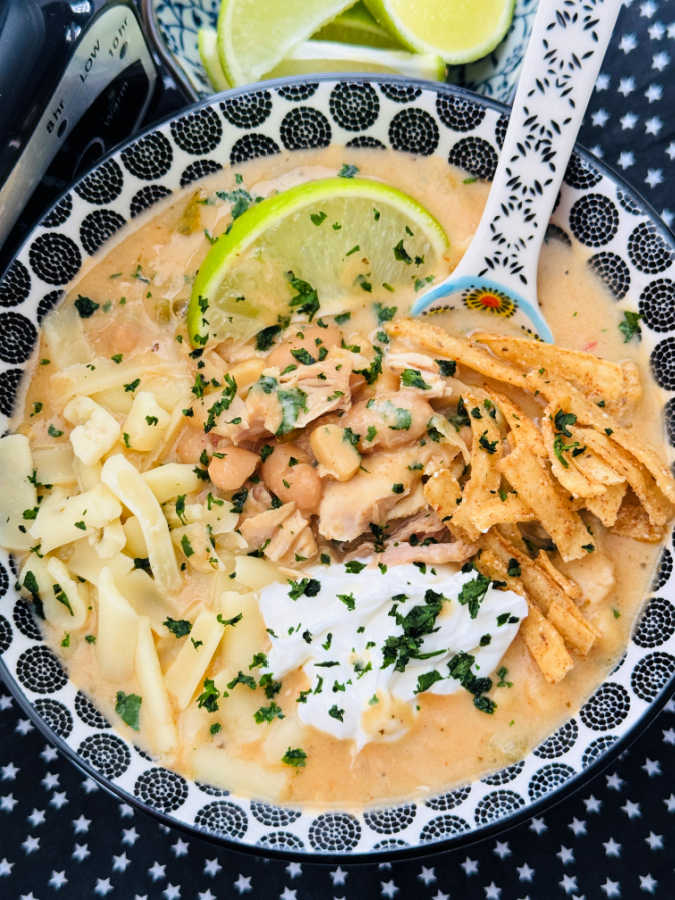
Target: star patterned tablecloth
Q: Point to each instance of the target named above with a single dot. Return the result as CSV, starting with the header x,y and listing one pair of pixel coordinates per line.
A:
x,y
62,836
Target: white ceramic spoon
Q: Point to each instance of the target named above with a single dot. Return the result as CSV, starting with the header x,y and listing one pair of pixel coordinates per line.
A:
x,y
498,272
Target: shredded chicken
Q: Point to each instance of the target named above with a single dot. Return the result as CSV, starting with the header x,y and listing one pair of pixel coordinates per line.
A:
x,y
433,554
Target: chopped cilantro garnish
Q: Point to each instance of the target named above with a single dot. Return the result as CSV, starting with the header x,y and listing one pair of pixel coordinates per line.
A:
x,y
513,569
208,699
85,306
426,679
306,300
354,566
268,713
630,326
318,218
348,171
295,756
446,367
128,708
401,254
310,587
348,600
473,593
335,712
293,402
178,627
413,378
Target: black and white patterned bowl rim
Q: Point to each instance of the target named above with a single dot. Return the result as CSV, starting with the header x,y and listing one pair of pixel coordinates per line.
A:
x,y
629,249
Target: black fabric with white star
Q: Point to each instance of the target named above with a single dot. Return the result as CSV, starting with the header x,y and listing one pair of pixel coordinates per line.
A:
x,y
63,836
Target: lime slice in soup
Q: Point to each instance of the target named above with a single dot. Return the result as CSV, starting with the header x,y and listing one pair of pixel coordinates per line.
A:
x,y
460,31
316,249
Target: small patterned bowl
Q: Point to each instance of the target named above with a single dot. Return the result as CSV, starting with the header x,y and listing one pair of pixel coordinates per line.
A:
x,y
173,26
628,248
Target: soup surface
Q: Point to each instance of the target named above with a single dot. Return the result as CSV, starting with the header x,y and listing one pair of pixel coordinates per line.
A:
x,y
217,560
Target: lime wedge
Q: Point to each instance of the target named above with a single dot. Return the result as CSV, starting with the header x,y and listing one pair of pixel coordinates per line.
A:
x,y
255,35
357,26
327,56
207,42
341,236
460,31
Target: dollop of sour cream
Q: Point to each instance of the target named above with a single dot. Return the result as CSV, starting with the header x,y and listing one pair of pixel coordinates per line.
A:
x,y
335,624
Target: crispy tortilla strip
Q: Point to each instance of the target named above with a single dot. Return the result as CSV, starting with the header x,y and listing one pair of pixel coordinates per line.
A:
x,y
562,395
606,507
495,511
557,391
618,384
449,346
546,646
443,493
590,465
530,477
567,474
485,478
541,638
633,521
523,430
656,506
546,592
568,585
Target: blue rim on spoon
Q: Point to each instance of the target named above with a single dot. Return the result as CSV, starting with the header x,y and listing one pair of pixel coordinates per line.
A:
x,y
575,781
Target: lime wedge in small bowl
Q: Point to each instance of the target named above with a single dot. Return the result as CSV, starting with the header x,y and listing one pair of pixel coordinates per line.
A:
x,y
460,31
255,35
342,237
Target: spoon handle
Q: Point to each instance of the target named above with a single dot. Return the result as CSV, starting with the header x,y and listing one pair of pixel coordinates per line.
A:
x,y
563,58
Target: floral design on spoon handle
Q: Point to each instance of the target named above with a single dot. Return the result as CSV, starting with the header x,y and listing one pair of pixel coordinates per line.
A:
x,y
553,92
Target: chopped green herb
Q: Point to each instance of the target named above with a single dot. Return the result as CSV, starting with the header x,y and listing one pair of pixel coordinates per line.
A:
x,y
348,600
303,356
215,728
208,699
265,338
85,306
231,622
561,420
488,446
306,300
54,432
131,387
240,678
62,597
128,708
335,712
295,756
473,593
426,679
401,254
178,627
355,249
310,587
447,367
348,171
354,566
513,568
413,378
186,545
293,401
630,326
318,218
